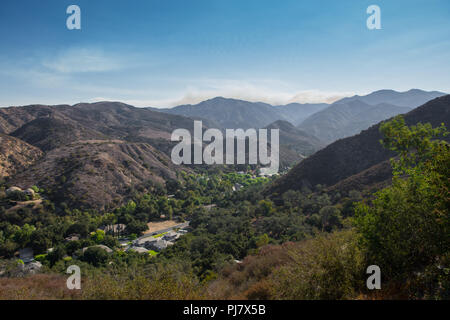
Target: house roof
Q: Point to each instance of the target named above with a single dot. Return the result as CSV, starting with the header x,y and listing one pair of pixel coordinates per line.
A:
x,y
107,249
26,255
138,249
161,244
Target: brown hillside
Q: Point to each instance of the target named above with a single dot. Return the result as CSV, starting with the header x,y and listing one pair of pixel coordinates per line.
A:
x,y
15,155
97,173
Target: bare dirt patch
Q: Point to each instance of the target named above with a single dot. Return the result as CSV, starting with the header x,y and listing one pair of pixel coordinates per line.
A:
x,y
155,226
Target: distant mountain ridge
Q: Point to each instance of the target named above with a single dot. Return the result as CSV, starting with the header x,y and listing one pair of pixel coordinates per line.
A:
x,y
411,98
233,113
349,116
353,155
328,123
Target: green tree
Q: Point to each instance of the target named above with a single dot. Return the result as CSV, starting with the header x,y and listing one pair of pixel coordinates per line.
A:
x,y
136,227
95,256
23,235
56,254
40,241
98,236
330,217
406,228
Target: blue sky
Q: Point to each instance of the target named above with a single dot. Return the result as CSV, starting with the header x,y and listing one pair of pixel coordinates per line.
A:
x,y
165,52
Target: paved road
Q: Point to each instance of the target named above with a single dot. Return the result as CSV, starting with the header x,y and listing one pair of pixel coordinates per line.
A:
x,y
151,234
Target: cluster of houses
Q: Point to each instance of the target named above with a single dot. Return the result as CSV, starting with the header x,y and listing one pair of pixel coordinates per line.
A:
x,y
144,244
141,245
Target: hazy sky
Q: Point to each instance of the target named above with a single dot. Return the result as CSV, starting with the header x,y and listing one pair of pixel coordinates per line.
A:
x,y
165,52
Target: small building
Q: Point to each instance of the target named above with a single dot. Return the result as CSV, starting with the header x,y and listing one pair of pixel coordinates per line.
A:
x,y
145,242
26,255
160,244
171,236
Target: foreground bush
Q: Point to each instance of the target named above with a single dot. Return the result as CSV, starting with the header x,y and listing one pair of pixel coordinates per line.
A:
x,y
161,283
328,267
406,228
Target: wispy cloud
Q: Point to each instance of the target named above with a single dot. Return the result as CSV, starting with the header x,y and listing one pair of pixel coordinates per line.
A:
x,y
82,73
268,91
79,60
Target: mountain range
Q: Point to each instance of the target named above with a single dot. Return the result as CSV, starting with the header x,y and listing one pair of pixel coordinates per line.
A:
x,y
96,154
349,116
234,113
359,161
325,122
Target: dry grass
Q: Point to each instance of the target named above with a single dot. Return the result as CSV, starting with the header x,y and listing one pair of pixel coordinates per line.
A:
x,y
36,287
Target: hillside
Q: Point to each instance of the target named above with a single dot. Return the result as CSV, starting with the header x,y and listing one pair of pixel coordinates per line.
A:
x,y
347,157
94,153
111,119
349,116
52,132
295,139
15,155
295,113
97,173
